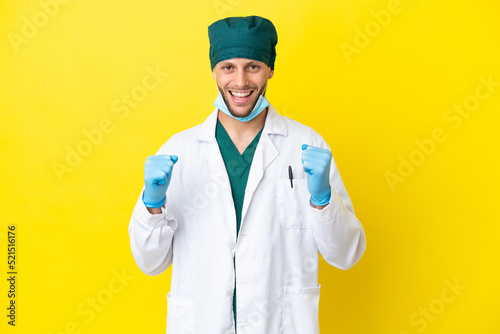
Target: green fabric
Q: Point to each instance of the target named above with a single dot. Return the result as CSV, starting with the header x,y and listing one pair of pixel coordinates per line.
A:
x,y
251,37
237,166
238,169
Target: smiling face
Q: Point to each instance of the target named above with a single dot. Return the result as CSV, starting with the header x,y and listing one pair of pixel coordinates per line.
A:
x,y
240,82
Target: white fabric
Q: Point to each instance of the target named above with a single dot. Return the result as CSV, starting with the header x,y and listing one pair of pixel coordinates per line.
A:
x,y
276,253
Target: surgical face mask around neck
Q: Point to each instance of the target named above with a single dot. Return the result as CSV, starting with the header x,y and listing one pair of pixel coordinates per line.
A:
x,y
260,105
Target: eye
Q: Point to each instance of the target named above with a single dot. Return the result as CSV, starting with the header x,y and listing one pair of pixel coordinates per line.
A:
x,y
254,67
226,67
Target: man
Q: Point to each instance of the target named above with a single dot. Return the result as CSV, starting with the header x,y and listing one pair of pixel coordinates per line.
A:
x,y
241,204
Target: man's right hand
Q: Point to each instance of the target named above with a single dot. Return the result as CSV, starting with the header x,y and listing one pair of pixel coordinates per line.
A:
x,y
157,175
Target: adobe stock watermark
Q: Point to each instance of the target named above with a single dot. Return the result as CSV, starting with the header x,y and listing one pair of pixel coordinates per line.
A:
x,y
454,117
223,6
284,112
364,36
97,303
30,27
427,314
120,107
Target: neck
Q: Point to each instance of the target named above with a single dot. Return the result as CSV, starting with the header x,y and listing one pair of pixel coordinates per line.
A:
x,y
242,133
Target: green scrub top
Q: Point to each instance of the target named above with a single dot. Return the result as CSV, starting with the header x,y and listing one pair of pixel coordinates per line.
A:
x,y
237,166
238,169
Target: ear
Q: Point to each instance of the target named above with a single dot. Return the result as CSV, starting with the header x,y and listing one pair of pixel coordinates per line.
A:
x,y
213,74
271,73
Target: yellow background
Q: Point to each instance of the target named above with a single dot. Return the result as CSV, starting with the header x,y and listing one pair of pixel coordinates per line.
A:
x,y
435,226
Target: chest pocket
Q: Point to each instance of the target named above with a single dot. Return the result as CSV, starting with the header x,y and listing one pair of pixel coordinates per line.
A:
x,y
293,203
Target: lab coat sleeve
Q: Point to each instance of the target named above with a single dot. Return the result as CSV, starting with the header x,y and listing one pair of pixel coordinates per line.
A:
x,y
339,234
151,237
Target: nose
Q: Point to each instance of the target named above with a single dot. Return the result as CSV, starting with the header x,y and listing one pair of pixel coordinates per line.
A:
x,y
241,79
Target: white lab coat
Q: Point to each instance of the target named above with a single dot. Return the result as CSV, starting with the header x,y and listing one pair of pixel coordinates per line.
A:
x,y
275,256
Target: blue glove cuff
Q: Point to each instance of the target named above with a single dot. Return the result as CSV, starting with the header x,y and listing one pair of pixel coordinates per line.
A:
x,y
323,201
153,205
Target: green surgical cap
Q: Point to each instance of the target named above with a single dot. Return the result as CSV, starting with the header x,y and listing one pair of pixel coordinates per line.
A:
x,y
251,37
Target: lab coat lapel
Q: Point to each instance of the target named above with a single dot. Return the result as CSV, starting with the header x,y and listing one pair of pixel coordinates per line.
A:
x,y
214,162
264,155
217,169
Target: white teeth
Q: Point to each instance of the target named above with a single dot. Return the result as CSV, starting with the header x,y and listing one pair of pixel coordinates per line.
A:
x,y
240,94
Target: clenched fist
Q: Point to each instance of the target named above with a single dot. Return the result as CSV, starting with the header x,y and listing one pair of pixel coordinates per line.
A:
x,y
157,175
316,162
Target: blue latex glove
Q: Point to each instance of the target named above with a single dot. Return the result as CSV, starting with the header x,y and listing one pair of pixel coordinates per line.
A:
x,y
157,175
316,162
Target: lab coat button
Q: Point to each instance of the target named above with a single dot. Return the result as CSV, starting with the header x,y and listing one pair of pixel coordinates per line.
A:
x,y
231,243
229,292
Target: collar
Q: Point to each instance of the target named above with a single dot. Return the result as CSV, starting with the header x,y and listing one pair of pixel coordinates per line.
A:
x,y
274,125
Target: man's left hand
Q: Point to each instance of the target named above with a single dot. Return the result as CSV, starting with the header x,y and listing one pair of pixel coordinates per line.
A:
x,y
316,162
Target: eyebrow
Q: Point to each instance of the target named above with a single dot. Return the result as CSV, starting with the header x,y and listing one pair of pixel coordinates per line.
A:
x,y
226,63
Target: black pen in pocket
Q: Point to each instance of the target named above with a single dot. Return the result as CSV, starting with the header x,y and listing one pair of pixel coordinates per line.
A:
x,y
290,175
